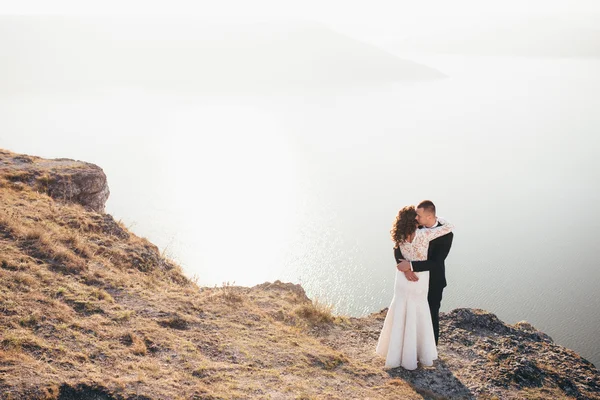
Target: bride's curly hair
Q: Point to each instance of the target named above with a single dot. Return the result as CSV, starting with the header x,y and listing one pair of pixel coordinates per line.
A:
x,y
404,225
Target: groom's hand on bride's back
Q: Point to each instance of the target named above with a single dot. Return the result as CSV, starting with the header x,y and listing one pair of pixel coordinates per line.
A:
x,y
403,266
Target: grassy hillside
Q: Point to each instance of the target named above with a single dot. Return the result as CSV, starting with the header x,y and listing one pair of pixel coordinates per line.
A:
x,y
89,308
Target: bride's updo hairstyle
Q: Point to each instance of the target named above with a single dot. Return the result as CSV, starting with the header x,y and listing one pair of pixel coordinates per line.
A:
x,y
405,225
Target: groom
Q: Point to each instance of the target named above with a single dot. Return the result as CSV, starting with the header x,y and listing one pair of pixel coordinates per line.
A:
x,y
436,255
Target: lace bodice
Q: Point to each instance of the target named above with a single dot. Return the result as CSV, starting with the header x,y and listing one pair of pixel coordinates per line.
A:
x,y
417,249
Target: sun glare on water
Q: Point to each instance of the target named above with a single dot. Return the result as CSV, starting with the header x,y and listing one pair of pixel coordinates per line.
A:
x,y
235,190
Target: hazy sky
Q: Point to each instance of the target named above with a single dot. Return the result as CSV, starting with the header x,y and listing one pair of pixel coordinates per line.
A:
x,y
388,14
374,21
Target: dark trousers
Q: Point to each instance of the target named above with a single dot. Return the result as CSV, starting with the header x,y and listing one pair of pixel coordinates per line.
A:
x,y
434,297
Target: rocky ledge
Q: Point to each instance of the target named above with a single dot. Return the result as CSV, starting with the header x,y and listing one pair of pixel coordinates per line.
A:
x,y
493,356
480,357
62,179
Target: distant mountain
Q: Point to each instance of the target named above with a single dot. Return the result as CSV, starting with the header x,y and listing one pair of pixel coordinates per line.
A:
x,y
534,38
59,52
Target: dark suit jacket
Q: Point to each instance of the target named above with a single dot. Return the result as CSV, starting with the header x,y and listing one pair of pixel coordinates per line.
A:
x,y
435,263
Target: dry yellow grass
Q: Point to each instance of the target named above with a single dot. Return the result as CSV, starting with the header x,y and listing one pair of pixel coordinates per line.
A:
x,y
88,307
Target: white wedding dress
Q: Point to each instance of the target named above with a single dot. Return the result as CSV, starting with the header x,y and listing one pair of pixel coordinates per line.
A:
x,y
407,334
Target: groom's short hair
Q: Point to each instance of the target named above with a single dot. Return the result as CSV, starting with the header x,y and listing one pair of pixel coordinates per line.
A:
x,y
428,206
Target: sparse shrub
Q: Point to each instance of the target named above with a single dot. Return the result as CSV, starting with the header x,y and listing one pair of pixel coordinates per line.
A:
x,y
21,341
30,320
52,391
200,372
175,274
63,255
85,307
138,347
122,316
37,233
228,293
44,245
24,279
327,361
102,294
315,313
175,322
78,245
18,176
42,182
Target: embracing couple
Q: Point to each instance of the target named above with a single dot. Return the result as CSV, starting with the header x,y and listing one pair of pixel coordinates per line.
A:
x,y
411,329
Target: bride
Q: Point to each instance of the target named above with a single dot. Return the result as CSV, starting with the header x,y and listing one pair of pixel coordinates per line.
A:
x,y
407,334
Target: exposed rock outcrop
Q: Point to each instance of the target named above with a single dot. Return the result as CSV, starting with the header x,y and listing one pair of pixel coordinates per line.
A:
x,y
480,357
496,357
62,179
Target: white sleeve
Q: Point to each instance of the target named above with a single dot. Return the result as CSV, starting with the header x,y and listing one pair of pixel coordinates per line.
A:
x,y
442,229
